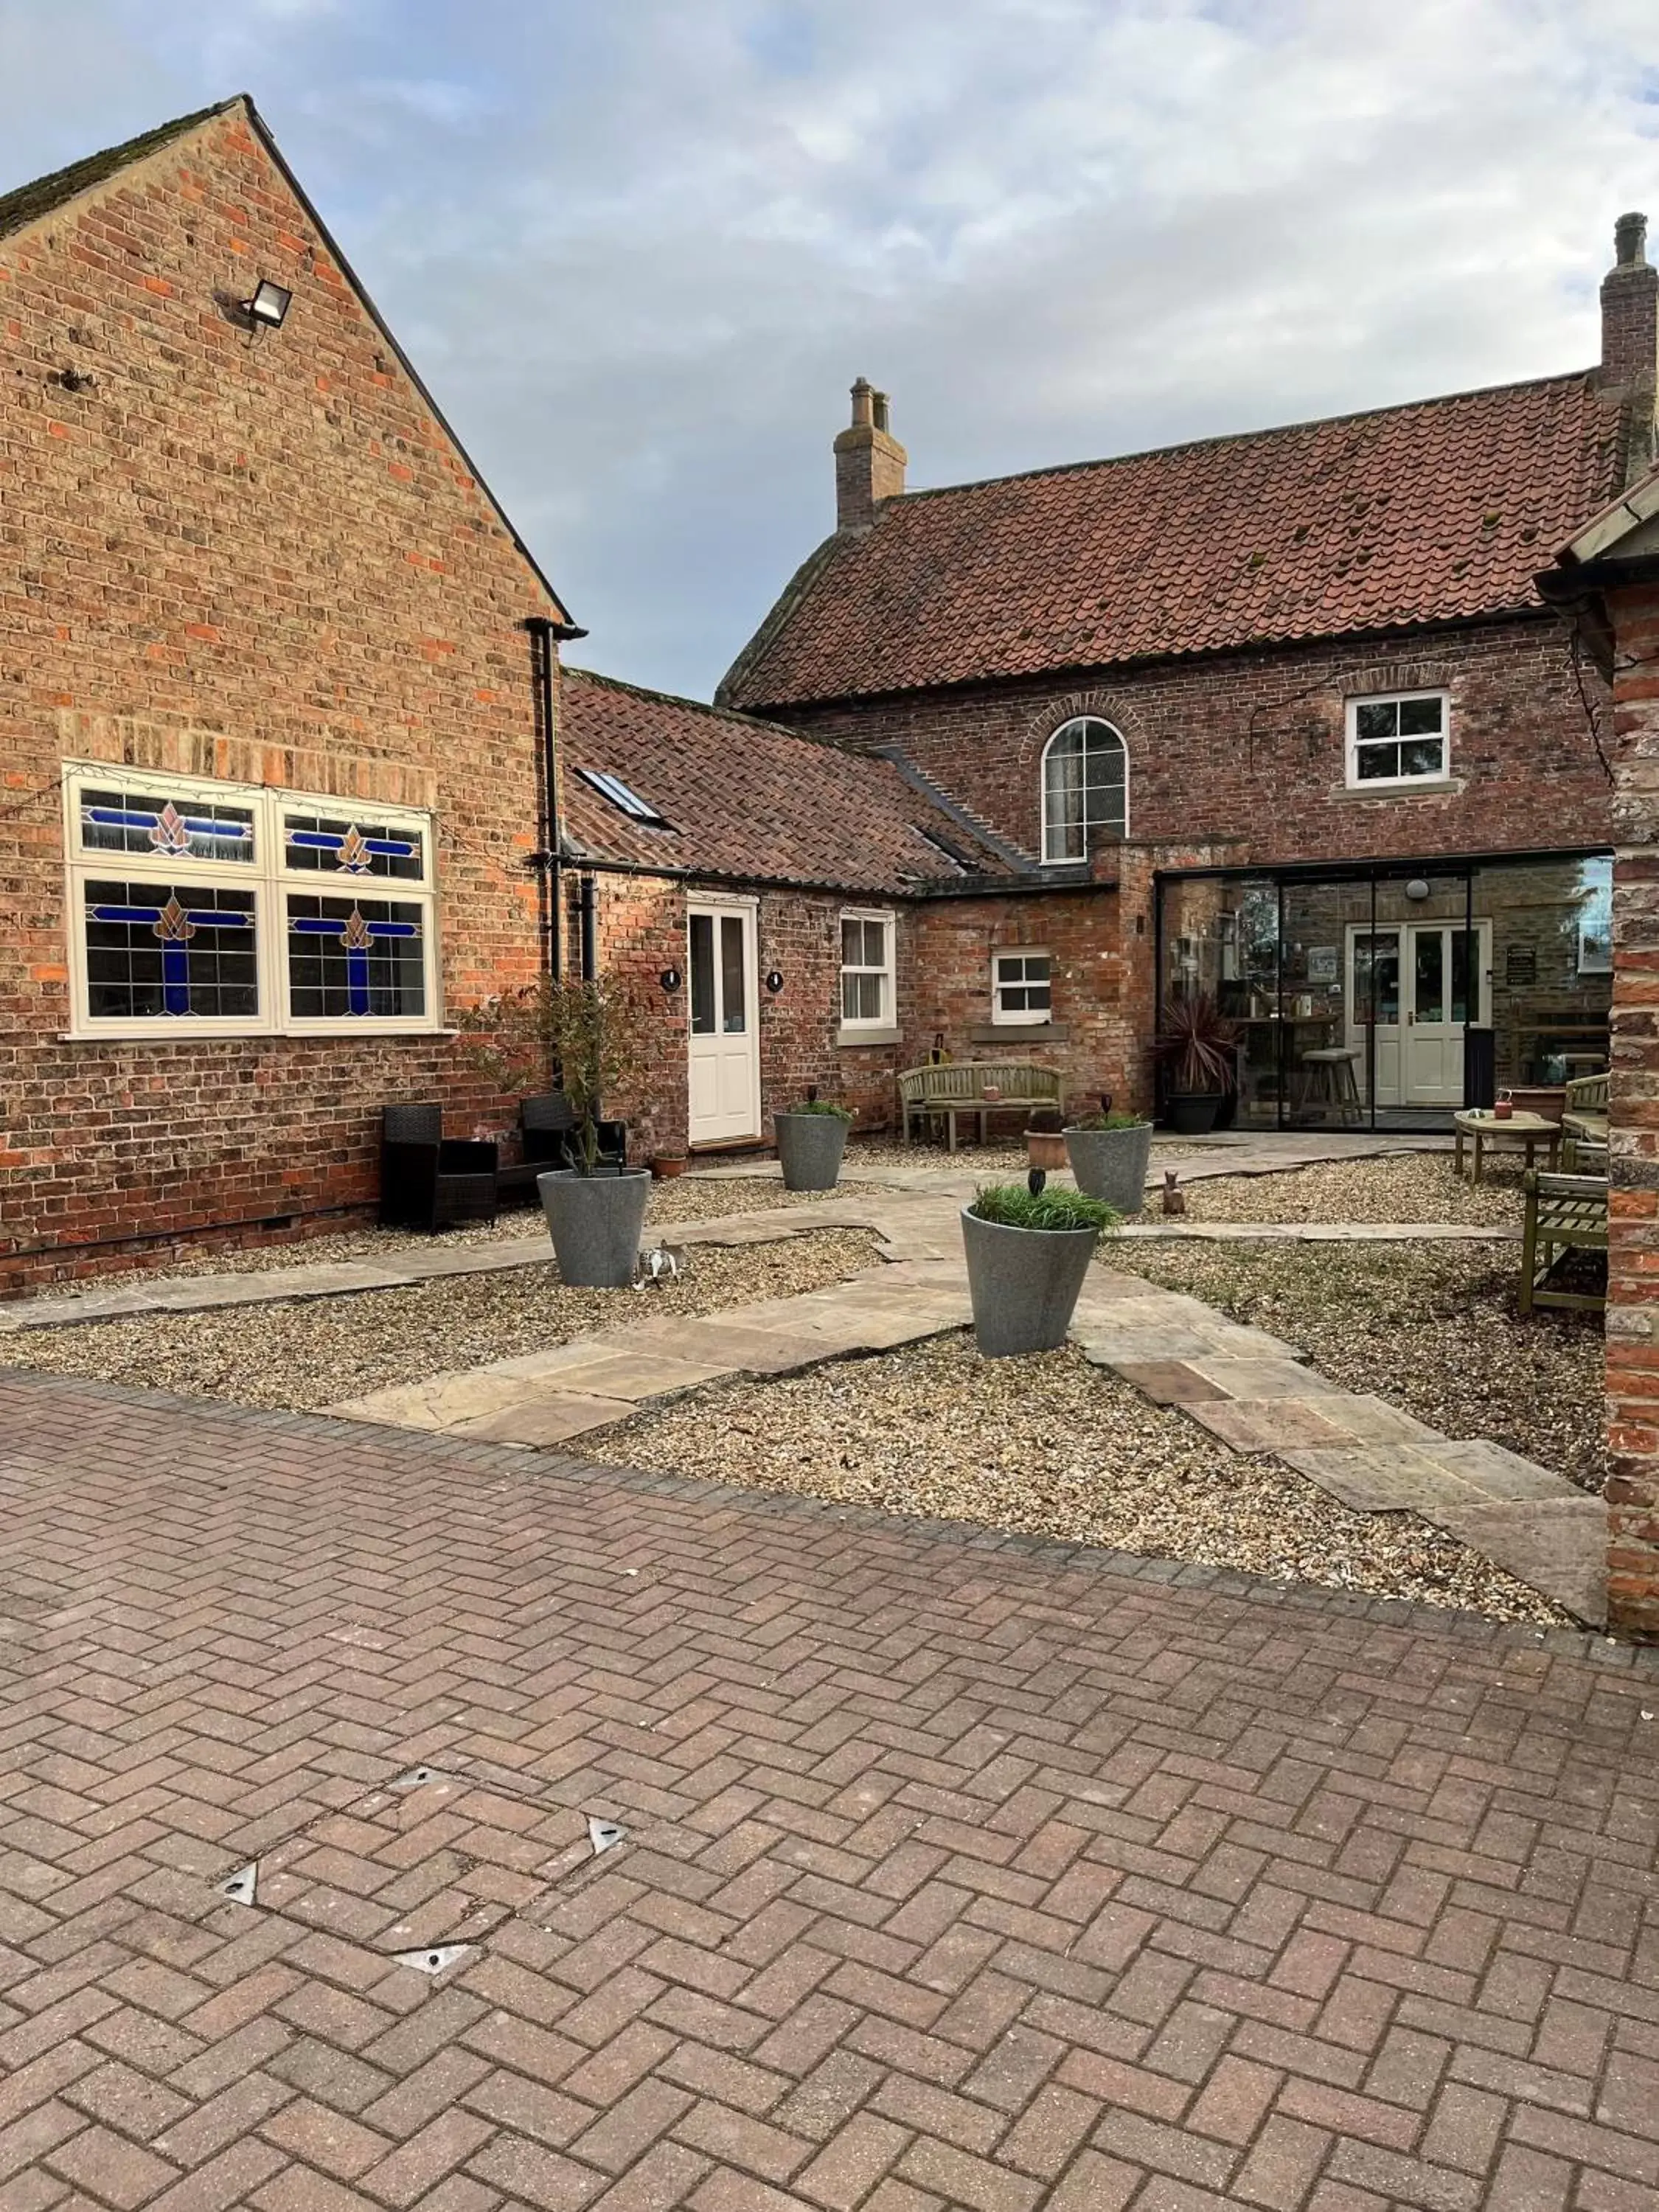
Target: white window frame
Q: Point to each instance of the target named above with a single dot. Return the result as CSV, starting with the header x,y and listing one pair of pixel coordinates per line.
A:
x,y
889,1015
1353,741
1019,1018
268,878
1077,860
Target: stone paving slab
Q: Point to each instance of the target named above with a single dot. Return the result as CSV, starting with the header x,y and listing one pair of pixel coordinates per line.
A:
x,y
959,1872
1269,1425
1266,1378
1367,1478
1558,1545
535,1417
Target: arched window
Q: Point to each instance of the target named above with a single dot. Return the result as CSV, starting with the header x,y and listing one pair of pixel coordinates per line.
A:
x,y
1085,786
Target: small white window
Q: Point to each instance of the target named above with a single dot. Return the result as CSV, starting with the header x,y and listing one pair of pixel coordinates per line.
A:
x,y
1403,740
1021,988
1086,787
867,970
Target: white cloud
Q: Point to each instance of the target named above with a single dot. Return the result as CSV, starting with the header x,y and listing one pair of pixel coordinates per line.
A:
x,y
640,251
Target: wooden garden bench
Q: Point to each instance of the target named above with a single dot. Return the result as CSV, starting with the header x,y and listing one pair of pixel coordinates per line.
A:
x,y
1584,1123
1564,1212
957,1086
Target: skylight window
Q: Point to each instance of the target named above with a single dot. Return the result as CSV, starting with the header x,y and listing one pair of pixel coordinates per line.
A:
x,y
626,801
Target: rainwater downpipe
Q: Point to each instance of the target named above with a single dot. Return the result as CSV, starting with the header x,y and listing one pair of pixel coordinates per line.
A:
x,y
590,964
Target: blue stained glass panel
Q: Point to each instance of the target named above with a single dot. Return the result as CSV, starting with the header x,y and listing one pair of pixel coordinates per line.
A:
x,y
161,825
335,845
355,958
185,950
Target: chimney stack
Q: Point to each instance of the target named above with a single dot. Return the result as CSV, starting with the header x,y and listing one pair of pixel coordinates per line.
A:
x,y
1630,339
869,462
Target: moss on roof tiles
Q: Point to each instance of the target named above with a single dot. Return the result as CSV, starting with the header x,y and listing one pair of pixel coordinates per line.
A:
x,y
28,202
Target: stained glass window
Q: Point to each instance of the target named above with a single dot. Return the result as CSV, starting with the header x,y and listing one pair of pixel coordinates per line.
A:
x,y
337,845
188,951
173,878
352,959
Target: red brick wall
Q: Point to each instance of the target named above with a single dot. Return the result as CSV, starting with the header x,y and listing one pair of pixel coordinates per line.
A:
x,y
1251,747
253,558
1633,1224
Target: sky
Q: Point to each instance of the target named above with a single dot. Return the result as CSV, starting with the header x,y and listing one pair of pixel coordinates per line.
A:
x,y
638,249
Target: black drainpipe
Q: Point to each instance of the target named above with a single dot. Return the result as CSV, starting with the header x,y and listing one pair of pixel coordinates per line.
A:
x,y
590,964
544,635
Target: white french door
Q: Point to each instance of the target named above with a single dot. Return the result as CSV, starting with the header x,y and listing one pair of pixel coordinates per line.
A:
x,y
724,1100
1416,986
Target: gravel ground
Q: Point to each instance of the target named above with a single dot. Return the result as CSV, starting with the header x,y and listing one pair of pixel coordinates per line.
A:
x,y
994,1159
687,1197
1401,1187
1050,1446
311,1352
1432,1329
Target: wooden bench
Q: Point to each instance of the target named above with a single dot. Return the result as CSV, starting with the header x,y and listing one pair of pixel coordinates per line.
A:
x,y
1563,1214
958,1086
1584,1123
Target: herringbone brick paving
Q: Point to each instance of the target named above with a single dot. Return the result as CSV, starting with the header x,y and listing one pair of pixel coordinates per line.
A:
x,y
959,1874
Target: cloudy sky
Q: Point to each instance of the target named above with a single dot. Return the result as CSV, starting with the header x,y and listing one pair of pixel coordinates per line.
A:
x,y
640,248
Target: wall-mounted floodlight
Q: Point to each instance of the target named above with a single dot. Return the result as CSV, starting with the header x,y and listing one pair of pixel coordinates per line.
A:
x,y
270,304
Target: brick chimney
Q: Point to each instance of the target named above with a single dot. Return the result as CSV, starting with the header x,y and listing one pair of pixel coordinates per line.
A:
x,y
869,461
1630,339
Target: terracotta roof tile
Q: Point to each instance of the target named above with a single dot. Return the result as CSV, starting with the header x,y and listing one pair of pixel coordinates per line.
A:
x,y
747,800
1421,513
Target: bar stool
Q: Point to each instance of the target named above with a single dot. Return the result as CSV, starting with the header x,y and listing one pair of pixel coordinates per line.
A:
x,y
1325,1079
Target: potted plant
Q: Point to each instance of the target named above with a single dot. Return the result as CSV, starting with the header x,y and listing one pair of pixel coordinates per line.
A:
x,y
1028,1252
594,1031
1110,1154
668,1163
1045,1142
810,1139
1198,1047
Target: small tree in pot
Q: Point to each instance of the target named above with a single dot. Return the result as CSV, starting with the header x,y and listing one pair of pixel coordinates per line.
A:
x,y
1198,1047
1110,1154
810,1139
594,1031
1028,1252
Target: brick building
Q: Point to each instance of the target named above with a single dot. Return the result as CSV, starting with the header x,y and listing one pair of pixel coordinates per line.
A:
x,y
269,751
1281,712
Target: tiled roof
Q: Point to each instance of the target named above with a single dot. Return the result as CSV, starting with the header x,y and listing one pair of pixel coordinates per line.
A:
x,y
747,801
1423,514
31,201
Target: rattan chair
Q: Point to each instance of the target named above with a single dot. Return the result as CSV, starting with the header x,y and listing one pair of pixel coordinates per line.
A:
x,y
428,1180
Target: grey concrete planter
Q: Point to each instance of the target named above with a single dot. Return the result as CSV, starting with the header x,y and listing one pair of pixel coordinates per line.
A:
x,y
595,1223
1023,1283
810,1146
1111,1164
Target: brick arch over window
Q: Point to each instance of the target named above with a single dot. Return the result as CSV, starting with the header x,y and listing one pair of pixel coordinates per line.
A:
x,y
1085,785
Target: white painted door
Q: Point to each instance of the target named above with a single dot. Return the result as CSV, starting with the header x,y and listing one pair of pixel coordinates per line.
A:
x,y
725,1041
1413,986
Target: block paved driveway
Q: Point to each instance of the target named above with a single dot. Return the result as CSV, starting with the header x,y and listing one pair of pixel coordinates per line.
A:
x,y
957,1873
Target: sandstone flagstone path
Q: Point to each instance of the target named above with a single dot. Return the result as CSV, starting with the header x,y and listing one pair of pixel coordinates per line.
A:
x,y
1251,1391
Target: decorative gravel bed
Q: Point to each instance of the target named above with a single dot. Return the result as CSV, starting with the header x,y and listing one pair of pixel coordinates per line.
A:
x,y
1399,1187
687,1197
996,1158
311,1352
1431,1327
1050,1446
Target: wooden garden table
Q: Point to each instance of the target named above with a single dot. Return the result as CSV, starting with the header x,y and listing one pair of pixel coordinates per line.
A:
x,y
1481,1126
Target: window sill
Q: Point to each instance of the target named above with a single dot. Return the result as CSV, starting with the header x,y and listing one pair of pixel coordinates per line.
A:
x,y
183,1035
1429,787
1020,1032
871,1036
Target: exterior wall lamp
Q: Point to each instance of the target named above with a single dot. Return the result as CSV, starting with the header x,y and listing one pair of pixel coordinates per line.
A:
x,y
269,306
670,979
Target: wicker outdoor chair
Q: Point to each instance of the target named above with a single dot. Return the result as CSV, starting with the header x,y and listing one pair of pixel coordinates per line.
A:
x,y
547,1127
428,1180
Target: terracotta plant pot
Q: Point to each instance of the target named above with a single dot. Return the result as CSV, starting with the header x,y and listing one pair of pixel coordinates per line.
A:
x,y
665,1166
1044,1150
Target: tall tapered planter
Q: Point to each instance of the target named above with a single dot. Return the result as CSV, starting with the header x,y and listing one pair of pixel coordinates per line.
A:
x,y
1111,1163
1023,1284
810,1148
595,1223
